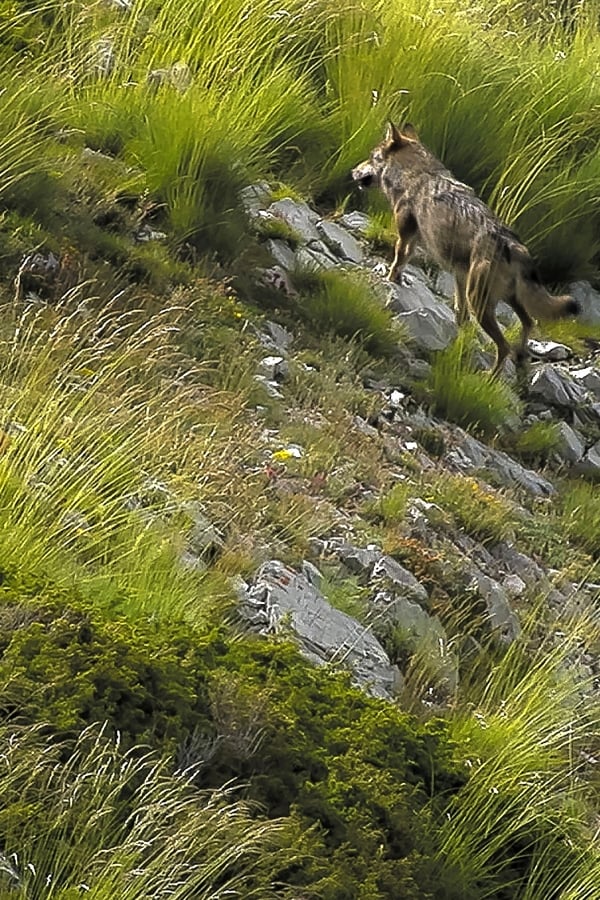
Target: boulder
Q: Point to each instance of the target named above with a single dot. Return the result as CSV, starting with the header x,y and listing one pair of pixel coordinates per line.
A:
x,y
299,216
428,329
340,241
282,599
570,447
314,257
401,581
589,465
589,301
549,350
355,221
469,454
589,378
556,387
282,254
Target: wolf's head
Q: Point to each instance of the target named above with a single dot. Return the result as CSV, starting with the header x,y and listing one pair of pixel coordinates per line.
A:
x,y
398,142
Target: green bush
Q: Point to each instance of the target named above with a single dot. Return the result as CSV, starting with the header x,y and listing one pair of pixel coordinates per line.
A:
x,y
61,665
307,744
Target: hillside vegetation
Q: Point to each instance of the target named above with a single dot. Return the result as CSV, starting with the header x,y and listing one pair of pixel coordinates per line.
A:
x,y
153,744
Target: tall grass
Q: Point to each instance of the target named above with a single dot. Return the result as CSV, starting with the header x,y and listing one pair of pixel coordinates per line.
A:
x,y
90,819
522,821
94,407
301,94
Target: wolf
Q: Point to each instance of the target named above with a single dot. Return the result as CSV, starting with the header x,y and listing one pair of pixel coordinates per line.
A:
x,y
461,234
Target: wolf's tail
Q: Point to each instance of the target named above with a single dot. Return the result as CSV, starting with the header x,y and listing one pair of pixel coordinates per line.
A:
x,y
538,302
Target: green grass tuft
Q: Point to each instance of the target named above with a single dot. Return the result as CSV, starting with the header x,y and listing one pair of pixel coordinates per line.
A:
x,y
345,304
471,399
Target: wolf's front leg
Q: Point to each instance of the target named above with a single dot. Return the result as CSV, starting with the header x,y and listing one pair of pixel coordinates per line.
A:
x,y
404,250
395,271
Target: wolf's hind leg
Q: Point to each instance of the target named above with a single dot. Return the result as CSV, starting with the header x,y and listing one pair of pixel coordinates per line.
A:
x,y
480,301
521,353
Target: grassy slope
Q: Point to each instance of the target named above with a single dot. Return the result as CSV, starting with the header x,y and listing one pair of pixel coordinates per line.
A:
x,y
129,403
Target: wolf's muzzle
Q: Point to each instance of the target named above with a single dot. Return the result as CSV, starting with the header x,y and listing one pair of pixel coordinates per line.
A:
x,y
364,176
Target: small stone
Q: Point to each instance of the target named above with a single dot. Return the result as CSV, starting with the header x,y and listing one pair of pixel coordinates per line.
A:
x,y
549,350
355,221
513,585
255,196
275,368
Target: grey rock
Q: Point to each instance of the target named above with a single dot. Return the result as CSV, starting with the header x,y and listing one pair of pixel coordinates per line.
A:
x,y
255,197
549,350
590,464
358,561
571,447
312,574
271,387
419,369
178,76
274,368
589,378
503,621
276,337
588,414
401,580
470,454
298,216
414,294
513,585
203,542
444,284
283,598
105,57
428,329
340,241
317,546
556,387
355,221
506,315
589,301
146,234
424,635
313,258
282,253
363,426
512,561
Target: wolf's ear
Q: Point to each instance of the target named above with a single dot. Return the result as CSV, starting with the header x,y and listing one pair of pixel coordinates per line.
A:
x,y
393,135
409,131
